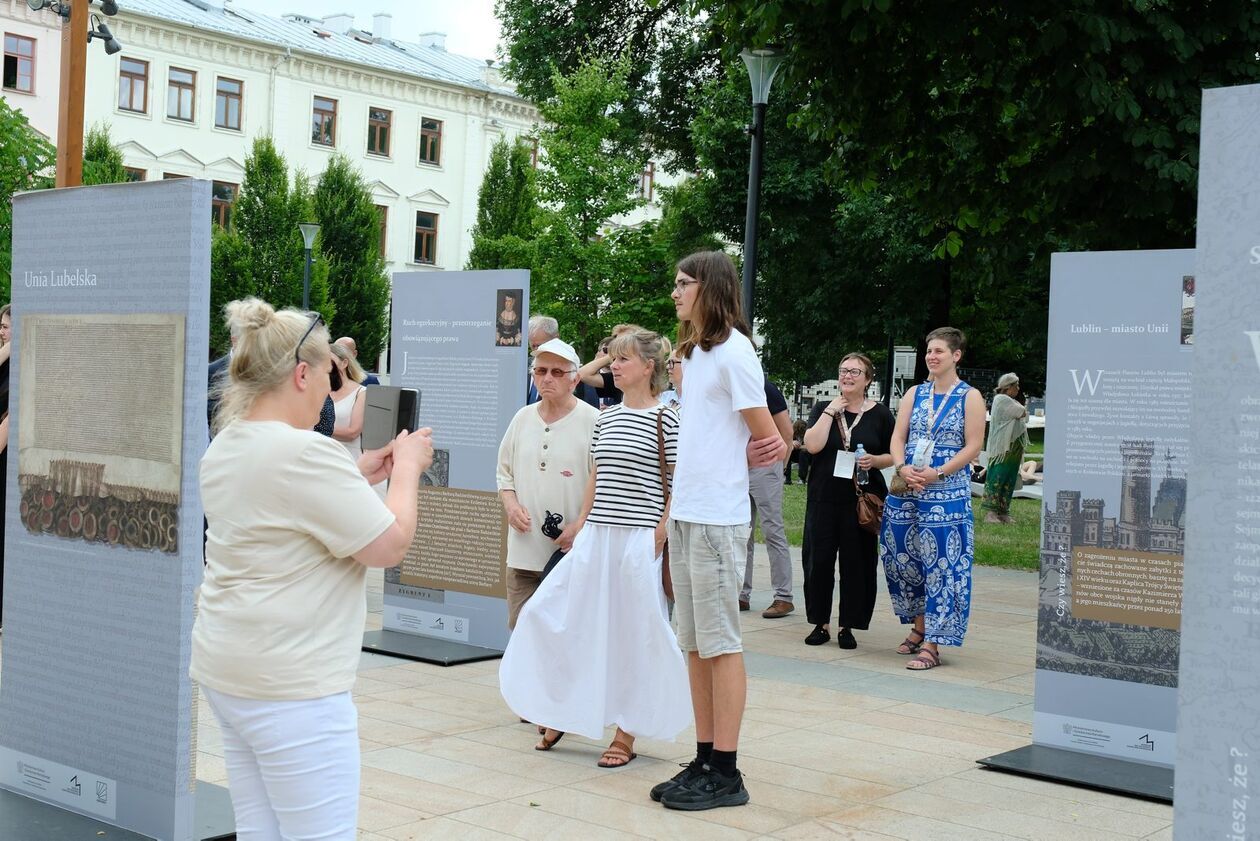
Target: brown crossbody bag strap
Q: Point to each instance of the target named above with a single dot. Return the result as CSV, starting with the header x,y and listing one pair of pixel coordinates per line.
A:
x,y
667,581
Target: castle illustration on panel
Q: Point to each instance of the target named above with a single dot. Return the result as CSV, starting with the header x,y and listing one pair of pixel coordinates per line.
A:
x,y
1104,649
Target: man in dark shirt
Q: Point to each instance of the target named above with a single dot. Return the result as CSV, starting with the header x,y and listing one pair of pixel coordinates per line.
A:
x,y
765,488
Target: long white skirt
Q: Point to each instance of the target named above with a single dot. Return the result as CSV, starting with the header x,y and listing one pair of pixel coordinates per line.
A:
x,y
593,646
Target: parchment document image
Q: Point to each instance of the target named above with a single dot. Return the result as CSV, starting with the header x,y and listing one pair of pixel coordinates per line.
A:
x,y
100,428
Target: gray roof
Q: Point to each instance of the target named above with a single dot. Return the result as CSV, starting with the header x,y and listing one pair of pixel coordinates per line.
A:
x,y
412,59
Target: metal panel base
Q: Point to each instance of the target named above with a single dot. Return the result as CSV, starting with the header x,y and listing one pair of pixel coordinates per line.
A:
x,y
214,819
34,820
426,649
1150,782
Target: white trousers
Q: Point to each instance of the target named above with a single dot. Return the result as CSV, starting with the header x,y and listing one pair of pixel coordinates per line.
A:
x,y
293,766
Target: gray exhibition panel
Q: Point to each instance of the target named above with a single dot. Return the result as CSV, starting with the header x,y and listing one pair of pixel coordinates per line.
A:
x,y
1121,340
103,523
451,340
1117,447
1218,755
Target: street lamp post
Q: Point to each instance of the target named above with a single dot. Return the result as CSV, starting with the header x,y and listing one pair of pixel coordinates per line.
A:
x,y
762,65
309,230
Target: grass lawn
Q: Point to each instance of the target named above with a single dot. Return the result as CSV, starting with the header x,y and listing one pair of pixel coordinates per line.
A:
x,y
1014,546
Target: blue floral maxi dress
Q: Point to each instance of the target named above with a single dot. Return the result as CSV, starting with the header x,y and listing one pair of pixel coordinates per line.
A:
x,y
927,539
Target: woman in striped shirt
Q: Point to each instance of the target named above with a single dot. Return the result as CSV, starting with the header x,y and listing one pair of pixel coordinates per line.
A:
x,y
594,647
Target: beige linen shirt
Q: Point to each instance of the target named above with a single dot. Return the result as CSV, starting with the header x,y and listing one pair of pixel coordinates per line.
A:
x,y
281,608
547,465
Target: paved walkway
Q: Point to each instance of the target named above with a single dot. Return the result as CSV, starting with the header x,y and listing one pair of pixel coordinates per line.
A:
x,y
836,745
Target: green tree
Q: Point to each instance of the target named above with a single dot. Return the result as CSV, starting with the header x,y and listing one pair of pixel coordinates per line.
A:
x,y
350,239
262,251
230,280
26,163
507,212
102,162
669,53
587,178
266,215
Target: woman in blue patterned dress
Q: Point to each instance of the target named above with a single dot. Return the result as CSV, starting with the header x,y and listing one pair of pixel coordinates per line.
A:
x,y
926,540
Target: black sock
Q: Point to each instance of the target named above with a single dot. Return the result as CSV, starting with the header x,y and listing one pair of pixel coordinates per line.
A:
x,y
723,761
703,751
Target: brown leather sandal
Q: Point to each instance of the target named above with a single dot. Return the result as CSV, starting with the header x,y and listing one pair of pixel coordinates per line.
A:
x,y
618,755
909,646
548,744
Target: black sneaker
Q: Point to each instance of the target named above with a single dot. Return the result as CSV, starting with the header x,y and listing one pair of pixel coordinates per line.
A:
x,y
688,772
845,639
709,789
818,636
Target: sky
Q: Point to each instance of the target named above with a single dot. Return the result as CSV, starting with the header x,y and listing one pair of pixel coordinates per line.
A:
x,y
470,26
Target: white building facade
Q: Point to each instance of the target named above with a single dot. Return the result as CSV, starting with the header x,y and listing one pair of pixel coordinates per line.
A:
x,y
197,81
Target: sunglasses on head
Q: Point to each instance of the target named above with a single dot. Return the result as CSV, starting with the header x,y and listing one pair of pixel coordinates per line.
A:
x,y
316,319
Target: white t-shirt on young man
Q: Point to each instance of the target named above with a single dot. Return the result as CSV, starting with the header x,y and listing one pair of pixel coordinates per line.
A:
x,y
281,609
711,477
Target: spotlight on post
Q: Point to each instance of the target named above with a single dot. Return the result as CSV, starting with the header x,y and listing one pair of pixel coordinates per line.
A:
x,y
62,9
762,66
109,8
101,32
309,230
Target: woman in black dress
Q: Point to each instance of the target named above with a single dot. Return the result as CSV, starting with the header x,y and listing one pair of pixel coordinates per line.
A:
x,y
831,527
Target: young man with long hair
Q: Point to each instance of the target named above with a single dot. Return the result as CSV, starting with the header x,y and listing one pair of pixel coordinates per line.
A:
x,y
725,428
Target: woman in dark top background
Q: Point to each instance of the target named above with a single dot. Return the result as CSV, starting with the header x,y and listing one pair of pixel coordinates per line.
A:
x,y
831,526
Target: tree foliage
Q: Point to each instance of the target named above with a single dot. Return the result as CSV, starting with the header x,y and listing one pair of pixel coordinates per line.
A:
x,y
507,212
990,134
102,161
1069,116
837,272
262,251
587,178
26,163
668,51
350,240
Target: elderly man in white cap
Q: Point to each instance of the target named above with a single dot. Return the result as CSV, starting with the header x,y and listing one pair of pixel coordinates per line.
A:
x,y
544,465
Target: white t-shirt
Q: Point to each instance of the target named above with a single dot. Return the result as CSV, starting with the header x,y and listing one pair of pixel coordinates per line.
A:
x,y
281,608
547,465
711,478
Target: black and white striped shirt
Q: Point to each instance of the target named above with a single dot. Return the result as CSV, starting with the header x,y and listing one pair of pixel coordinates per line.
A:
x,y
628,488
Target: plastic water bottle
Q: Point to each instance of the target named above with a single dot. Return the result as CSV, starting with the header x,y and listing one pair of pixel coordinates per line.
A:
x,y
863,475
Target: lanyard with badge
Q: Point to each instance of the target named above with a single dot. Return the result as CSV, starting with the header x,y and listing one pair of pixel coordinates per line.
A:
x,y
924,447
846,461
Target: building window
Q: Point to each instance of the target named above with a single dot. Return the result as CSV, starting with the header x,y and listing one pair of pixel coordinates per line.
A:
x,y
222,194
533,151
168,176
379,123
19,63
181,93
227,103
324,122
134,174
430,141
384,213
133,86
647,181
426,237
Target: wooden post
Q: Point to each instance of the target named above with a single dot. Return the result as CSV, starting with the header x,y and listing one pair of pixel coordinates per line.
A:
x,y
74,31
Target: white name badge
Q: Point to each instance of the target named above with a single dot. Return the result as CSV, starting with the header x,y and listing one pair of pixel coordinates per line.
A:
x,y
923,449
846,463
